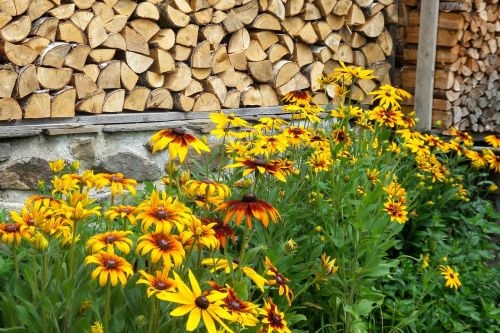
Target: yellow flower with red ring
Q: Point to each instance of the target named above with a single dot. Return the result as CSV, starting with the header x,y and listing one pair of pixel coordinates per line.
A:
x,y
178,141
13,233
158,283
109,266
162,246
249,206
109,240
117,183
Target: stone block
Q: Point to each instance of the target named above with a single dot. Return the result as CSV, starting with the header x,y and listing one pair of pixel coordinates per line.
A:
x,y
24,175
5,149
131,165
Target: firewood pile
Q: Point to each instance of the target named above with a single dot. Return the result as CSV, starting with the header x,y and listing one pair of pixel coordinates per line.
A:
x,y
65,56
466,80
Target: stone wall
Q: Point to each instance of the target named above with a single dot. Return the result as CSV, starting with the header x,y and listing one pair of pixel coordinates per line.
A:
x,y
98,142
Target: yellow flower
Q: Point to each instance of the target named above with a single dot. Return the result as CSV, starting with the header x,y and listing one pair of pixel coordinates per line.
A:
x,y
450,276
14,232
78,212
350,73
243,313
218,264
493,188
274,320
109,240
236,147
290,245
424,261
40,242
389,96
178,142
320,162
200,234
389,117
109,265
223,121
477,160
279,280
123,212
254,165
207,306
462,136
329,265
163,212
117,183
493,160
397,211
208,187
373,176
57,166
492,140
159,283
32,214
96,328
269,124
64,185
268,145
163,246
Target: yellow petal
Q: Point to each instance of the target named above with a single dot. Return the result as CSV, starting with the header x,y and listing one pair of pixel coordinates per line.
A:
x,y
194,319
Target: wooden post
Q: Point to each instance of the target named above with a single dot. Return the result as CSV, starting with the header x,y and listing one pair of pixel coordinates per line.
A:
x,y
424,86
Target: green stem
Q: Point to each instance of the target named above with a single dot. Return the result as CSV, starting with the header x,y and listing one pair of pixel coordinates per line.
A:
x,y
153,322
107,306
243,249
304,289
16,264
45,265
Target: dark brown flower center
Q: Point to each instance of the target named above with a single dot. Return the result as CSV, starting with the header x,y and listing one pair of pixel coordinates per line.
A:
x,y
161,214
274,319
235,305
202,302
160,285
259,162
11,228
111,264
163,243
110,239
125,210
115,179
179,131
452,276
31,222
249,197
230,117
280,279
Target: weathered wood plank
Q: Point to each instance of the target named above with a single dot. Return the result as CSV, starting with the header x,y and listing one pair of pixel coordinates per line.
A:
x,y
429,13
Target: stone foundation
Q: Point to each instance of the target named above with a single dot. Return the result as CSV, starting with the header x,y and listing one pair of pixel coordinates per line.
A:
x,y
100,143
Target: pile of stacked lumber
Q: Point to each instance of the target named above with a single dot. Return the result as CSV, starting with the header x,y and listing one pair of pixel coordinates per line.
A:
x,y
62,56
466,78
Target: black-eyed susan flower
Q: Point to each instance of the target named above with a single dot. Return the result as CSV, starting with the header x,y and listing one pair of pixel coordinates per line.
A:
x,y
279,280
97,327
492,140
32,214
64,185
372,175
267,124
493,160
450,276
297,97
389,117
163,212
329,265
200,234
222,230
274,320
45,200
396,210
339,136
320,162
122,212
109,240
218,264
209,188
350,73
117,182
178,141
477,160
424,260
269,145
389,96
238,148
460,136
206,306
394,190
162,246
111,266
243,313
39,241
254,165
224,121
57,166
13,233
158,283
296,135
249,206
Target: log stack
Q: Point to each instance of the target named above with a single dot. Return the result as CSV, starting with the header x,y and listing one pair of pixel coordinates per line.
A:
x,y
466,78
61,57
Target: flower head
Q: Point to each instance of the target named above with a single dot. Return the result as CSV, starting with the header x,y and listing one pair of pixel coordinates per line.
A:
x,y
222,230
329,265
396,210
57,166
223,121
117,182
279,280
122,212
249,206
243,313
162,245
109,240
450,276
178,142
158,283
206,306
13,233
109,265
258,165
274,320
492,140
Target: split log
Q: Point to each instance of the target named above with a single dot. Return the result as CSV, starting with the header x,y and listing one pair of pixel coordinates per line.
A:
x,y
63,103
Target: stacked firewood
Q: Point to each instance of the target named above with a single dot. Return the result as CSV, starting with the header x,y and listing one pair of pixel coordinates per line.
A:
x,y
191,55
467,63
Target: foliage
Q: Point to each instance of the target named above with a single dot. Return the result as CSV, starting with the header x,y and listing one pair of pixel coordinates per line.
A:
x,y
314,224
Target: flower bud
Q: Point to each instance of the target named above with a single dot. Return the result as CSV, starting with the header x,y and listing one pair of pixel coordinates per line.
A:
x,y
40,242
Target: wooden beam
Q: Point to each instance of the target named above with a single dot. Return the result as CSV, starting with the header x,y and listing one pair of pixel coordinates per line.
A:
x,y
429,13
